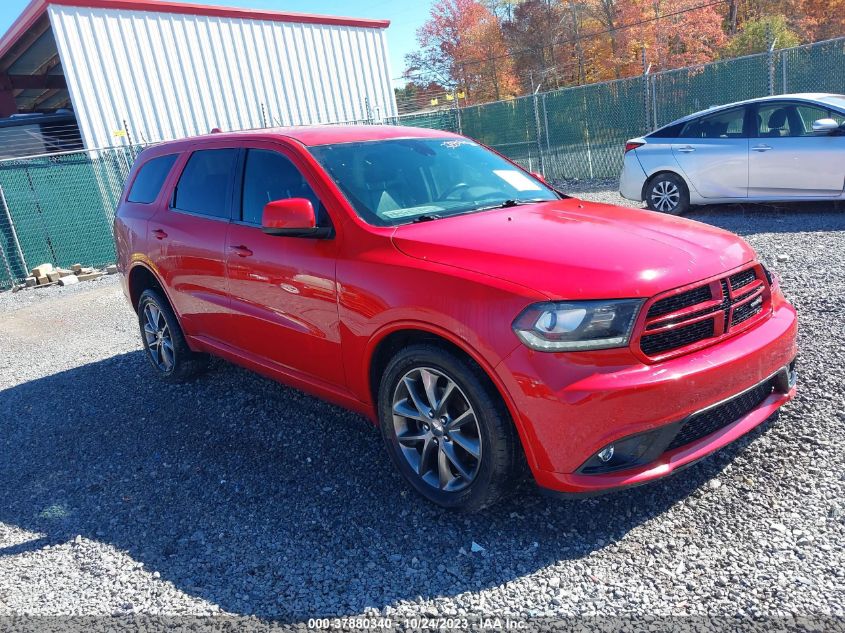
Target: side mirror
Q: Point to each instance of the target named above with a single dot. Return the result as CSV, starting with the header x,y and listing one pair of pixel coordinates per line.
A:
x,y
825,126
292,217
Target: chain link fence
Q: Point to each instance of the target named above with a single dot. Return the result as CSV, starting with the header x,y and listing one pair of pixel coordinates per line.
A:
x,y
580,132
60,208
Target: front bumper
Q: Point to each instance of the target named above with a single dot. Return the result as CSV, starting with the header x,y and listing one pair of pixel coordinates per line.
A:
x,y
573,405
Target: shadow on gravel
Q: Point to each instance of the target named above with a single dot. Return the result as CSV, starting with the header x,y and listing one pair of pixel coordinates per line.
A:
x,y
796,217
266,501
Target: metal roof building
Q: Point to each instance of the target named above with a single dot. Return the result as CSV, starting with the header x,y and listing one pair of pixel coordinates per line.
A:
x,y
161,70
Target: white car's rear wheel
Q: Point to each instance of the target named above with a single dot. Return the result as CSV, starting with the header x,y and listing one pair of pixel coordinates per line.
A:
x,y
667,193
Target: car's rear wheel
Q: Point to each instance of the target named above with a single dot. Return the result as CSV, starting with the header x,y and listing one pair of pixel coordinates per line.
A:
x,y
446,429
164,342
667,193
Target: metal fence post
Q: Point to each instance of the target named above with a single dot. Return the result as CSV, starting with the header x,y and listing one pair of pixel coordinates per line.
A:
x,y
7,267
770,58
646,100
654,118
538,133
14,234
783,88
546,125
457,100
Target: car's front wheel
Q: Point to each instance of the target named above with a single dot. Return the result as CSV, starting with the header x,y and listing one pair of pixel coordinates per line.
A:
x,y
667,193
164,342
446,429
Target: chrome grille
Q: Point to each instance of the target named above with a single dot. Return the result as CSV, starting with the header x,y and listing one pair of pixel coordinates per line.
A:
x,y
673,323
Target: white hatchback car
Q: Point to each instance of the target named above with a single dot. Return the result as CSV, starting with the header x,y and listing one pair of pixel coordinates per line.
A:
x,y
773,149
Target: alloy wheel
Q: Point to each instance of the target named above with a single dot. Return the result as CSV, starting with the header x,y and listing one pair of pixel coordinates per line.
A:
x,y
437,429
158,339
665,195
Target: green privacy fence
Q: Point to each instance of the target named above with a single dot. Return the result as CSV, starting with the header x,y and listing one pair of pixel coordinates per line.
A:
x,y
580,132
59,209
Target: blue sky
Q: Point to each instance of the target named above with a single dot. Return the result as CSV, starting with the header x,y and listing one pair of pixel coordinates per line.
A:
x,y
405,16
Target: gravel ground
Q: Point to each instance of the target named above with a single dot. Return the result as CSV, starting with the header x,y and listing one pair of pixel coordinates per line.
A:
x,y
235,495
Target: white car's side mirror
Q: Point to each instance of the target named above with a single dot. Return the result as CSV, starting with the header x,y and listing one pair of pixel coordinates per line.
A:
x,y
825,125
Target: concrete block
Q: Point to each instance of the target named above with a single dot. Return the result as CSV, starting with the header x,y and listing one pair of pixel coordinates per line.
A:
x,y
90,276
111,270
30,282
42,270
69,280
76,268
53,275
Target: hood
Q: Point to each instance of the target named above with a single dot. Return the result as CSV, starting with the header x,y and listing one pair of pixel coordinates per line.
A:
x,y
572,249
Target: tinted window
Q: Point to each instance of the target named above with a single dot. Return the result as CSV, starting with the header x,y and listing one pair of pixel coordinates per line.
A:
x,y
807,115
726,124
150,179
270,176
838,117
204,185
789,119
670,131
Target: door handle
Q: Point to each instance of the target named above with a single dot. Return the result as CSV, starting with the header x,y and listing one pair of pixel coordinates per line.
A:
x,y
686,149
761,148
159,234
242,251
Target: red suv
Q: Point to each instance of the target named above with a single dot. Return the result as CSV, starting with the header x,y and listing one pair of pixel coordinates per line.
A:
x,y
482,319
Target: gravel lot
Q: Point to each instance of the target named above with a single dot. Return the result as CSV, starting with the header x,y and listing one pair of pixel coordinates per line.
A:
x,y
123,495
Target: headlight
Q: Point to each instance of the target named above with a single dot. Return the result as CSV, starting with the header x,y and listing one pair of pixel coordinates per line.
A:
x,y
568,326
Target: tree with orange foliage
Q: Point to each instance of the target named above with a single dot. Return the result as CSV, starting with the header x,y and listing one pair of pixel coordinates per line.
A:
x,y
822,19
461,45
674,33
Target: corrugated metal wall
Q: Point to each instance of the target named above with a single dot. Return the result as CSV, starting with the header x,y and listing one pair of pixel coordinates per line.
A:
x,y
170,76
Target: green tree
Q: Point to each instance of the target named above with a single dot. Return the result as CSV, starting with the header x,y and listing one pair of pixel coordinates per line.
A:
x,y
756,36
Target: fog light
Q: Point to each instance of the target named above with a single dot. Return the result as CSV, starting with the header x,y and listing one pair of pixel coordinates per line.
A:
x,y
786,378
631,451
606,454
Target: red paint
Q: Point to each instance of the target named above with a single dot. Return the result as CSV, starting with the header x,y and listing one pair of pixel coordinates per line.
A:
x,y
312,312
37,8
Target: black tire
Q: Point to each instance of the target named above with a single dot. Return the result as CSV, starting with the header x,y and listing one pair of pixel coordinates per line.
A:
x,y
667,193
180,363
498,467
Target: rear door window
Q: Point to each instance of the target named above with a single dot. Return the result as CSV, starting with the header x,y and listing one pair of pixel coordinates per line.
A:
x,y
725,124
204,187
150,179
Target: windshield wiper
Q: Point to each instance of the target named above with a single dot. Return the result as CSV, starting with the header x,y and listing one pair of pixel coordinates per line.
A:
x,y
426,217
507,204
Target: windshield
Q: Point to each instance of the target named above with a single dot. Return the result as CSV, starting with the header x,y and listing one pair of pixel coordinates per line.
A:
x,y
398,181
837,101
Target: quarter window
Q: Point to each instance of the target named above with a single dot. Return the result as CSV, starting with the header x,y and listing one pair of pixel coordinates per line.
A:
x,y
271,176
808,114
203,187
150,179
727,124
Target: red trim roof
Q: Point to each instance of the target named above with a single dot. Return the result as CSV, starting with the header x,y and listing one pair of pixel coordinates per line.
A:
x,y
36,8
